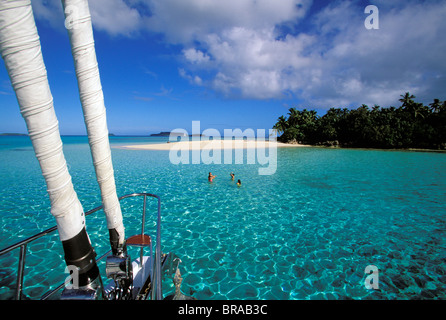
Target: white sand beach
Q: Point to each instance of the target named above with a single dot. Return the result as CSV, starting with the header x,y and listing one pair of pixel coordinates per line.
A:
x,y
211,144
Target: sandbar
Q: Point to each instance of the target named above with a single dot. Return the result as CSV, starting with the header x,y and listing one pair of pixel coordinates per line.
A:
x,y
211,144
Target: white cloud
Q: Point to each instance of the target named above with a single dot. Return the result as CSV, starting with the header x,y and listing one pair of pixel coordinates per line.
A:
x,y
376,66
186,21
240,47
115,17
195,56
253,64
112,16
338,62
49,11
192,79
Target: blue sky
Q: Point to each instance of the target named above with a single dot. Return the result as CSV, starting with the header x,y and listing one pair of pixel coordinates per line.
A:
x,y
239,63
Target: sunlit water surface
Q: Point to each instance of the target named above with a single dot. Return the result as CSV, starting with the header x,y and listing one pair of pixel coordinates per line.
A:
x,y
306,232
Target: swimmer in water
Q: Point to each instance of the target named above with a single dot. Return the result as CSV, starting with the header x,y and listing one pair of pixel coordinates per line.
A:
x,y
211,177
239,183
232,176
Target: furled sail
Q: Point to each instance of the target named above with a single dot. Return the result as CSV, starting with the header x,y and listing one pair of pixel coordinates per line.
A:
x,y
21,52
80,31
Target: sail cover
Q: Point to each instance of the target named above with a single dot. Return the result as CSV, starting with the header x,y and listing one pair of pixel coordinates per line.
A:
x,y
80,31
21,52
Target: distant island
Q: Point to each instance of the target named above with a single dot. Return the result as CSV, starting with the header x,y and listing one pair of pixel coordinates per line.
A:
x,y
177,134
14,134
410,126
167,134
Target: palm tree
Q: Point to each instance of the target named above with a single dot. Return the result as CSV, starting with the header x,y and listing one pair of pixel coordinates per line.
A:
x,y
442,107
293,116
281,124
413,108
435,106
417,110
407,99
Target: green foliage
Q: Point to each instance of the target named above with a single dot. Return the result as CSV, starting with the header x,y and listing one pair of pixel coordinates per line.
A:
x,y
412,125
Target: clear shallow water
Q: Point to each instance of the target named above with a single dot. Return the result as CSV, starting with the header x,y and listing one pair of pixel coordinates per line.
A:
x,y
306,232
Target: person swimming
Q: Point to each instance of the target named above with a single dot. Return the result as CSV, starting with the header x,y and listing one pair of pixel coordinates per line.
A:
x,y
239,183
232,176
211,177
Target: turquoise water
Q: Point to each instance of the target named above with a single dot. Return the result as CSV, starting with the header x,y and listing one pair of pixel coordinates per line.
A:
x,y
306,232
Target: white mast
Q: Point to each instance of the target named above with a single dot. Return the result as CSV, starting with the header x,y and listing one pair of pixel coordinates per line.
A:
x,y
21,52
80,31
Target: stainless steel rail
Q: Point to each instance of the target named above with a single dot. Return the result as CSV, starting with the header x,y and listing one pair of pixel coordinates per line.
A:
x,y
156,294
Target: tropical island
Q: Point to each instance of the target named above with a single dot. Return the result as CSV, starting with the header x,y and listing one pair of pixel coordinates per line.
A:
x,y
173,133
167,134
412,125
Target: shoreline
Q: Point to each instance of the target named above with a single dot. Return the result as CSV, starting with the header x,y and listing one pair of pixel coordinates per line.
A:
x,y
247,144
380,149
211,144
